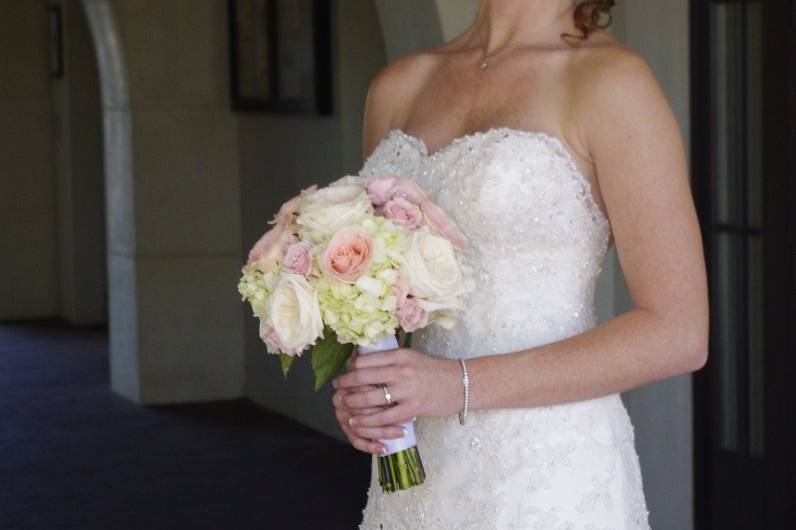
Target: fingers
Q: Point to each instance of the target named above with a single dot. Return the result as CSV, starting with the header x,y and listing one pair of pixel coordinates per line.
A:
x,y
365,438
366,376
339,397
390,432
349,364
371,398
396,415
382,358
363,444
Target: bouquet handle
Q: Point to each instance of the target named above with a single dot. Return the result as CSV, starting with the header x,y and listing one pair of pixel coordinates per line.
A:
x,y
394,445
400,467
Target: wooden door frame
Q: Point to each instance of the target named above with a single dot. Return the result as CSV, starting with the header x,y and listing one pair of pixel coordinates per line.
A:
x,y
779,139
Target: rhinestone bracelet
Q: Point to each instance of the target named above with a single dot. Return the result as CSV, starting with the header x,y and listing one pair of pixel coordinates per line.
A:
x,y
466,383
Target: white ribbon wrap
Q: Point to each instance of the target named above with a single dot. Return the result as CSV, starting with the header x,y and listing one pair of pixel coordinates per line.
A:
x,y
396,445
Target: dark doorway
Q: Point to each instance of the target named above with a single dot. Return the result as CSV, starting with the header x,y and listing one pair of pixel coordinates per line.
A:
x,y
743,150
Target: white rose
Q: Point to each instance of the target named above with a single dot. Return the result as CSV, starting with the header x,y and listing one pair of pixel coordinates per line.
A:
x,y
350,180
294,312
324,212
432,270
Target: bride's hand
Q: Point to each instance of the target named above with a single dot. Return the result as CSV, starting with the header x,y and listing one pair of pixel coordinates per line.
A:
x,y
362,438
420,385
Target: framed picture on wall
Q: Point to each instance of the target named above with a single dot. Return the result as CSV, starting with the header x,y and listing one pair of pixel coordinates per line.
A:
x,y
280,56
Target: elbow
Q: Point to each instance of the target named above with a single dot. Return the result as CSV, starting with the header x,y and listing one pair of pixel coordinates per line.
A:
x,y
698,358
695,348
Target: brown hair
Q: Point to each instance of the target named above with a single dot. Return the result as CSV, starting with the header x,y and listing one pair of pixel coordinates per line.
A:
x,y
588,15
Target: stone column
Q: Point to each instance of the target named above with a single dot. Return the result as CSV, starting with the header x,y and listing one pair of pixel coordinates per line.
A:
x,y
173,199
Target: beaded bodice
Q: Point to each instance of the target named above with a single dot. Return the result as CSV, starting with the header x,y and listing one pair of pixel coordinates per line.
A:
x,y
536,241
536,237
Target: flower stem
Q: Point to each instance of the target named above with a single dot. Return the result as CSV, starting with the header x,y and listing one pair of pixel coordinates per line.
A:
x,y
401,470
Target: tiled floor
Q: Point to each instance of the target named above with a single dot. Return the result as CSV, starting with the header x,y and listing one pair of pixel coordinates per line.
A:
x,y
75,455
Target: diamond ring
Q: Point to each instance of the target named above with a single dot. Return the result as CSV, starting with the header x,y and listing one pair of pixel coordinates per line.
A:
x,y
387,395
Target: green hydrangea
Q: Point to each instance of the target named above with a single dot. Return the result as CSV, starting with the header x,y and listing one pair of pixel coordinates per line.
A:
x,y
361,312
254,287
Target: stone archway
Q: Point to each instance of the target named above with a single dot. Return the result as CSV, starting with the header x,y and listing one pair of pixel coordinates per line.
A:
x,y
119,196
173,200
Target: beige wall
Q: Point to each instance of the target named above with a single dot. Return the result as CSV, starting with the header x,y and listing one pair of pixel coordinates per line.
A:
x,y
186,198
172,199
28,245
79,175
281,154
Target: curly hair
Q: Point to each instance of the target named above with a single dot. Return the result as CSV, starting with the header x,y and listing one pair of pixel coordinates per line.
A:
x,y
588,16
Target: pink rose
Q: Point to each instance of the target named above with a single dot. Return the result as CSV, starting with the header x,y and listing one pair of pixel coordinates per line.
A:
x,y
407,310
410,315
409,190
348,254
272,341
380,190
400,288
439,222
270,248
285,214
298,258
403,212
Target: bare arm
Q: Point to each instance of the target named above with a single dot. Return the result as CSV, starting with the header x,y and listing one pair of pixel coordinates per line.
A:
x,y
637,148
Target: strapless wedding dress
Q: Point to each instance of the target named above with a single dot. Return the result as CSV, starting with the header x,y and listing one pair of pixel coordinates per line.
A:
x,y
537,242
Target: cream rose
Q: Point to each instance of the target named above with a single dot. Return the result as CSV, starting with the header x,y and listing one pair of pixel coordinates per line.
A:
x,y
294,313
327,210
286,212
431,268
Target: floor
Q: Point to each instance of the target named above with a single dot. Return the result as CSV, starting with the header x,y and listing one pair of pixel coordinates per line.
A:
x,y
75,455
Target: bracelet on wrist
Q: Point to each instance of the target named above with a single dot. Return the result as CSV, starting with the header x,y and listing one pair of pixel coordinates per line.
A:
x,y
466,385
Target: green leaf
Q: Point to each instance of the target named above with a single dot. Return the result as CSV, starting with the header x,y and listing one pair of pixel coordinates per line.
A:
x,y
287,362
328,357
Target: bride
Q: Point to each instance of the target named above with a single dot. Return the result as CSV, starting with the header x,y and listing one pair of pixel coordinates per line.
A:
x,y
546,141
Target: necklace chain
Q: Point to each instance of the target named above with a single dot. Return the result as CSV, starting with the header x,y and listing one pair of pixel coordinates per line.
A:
x,y
486,59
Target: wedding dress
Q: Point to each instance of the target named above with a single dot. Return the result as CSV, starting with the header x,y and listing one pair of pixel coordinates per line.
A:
x,y
537,241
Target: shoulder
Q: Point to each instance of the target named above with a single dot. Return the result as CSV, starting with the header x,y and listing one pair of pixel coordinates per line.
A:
x,y
612,81
391,92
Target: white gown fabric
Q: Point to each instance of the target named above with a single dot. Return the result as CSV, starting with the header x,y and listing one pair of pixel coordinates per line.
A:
x,y
537,242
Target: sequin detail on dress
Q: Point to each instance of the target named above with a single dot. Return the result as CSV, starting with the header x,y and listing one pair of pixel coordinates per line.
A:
x,y
537,242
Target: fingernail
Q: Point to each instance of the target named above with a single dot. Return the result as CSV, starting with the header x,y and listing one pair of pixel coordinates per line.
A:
x,y
334,383
405,431
352,422
384,450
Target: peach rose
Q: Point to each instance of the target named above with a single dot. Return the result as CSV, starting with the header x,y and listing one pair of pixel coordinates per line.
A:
x,y
403,212
439,222
348,254
298,259
269,250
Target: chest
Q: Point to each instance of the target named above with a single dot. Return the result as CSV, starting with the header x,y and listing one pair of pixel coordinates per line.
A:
x,y
523,93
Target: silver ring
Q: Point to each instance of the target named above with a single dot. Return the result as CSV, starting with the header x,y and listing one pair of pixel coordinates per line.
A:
x,y
387,395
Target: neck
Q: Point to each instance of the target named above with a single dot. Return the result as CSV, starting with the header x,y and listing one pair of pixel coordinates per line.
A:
x,y
508,23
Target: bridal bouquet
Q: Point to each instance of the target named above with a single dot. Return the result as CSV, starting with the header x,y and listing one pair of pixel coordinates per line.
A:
x,y
347,266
